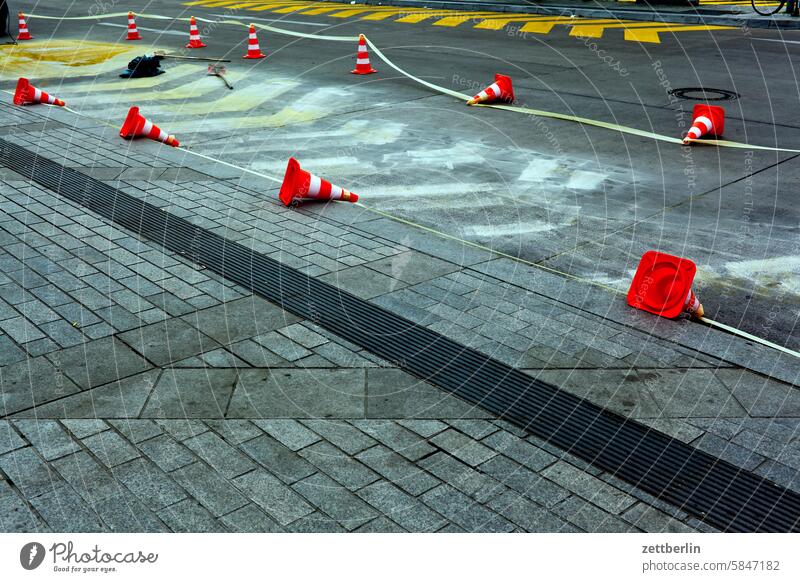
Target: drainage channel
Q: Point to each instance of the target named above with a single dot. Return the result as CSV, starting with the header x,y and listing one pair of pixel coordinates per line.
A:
x,y
704,486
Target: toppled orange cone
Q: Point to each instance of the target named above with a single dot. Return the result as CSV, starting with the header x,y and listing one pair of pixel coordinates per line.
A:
x,y
362,58
24,34
253,50
133,32
500,90
27,94
137,125
708,120
663,285
298,183
194,35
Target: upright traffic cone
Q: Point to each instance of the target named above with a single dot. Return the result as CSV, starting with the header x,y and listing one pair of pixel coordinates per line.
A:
x,y
133,32
23,29
136,125
362,58
708,120
297,183
27,94
663,285
253,50
194,35
500,90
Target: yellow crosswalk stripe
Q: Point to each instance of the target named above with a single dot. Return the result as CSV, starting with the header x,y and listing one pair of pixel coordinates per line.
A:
x,y
459,18
420,16
547,26
651,34
595,30
499,22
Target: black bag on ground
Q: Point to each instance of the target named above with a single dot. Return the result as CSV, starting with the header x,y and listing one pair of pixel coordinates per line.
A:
x,y
146,66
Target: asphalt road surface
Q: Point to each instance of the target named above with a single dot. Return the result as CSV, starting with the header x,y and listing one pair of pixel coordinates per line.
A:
x,y
583,200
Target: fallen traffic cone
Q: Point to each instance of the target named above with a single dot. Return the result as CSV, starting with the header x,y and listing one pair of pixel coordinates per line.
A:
x,y
708,120
27,94
133,32
297,183
362,58
23,29
253,50
663,285
194,35
500,90
136,125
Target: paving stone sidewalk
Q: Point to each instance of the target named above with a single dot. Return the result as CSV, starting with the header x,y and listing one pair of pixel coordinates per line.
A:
x,y
141,392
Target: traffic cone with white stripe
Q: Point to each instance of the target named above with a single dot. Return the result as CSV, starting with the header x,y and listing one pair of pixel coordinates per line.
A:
x,y
709,120
500,90
133,32
663,285
298,183
23,29
362,58
27,94
137,125
194,35
253,50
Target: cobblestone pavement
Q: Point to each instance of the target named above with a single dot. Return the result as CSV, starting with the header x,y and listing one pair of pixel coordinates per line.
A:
x,y
141,392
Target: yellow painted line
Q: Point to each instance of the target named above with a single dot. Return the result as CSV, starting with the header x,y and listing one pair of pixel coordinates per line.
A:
x,y
596,30
385,14
289,9
353,12
460,18
414,18
546,27
320,10
500,22
651,34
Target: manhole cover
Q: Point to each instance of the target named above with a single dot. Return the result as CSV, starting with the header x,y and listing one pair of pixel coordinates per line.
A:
x,y
704,94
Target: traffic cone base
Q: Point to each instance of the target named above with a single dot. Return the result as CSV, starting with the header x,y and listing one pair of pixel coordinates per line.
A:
x,y
253,50
298,183
27,94
194,35
707,120
24,33
133,32
663,285
501,90
362,58
137,125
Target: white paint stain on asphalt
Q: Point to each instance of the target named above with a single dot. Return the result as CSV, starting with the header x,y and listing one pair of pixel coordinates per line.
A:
x,y
776,271
583,180
515,229
538,170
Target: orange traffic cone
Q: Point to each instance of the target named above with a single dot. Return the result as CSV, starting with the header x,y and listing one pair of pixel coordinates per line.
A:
x,y
27,94
297,183
253,50
708,120
136,125
133,32
194,35
23,29
362,58
663,285
500,90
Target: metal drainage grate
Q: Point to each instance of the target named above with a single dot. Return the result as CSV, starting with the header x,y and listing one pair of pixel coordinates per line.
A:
x,y
704,94
704,486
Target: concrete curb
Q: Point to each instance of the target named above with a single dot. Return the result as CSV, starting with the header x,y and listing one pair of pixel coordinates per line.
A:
x,y
685,16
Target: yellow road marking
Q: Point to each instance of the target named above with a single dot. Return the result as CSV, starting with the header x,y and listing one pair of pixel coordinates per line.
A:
x,y
546,27
635,31
651,34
